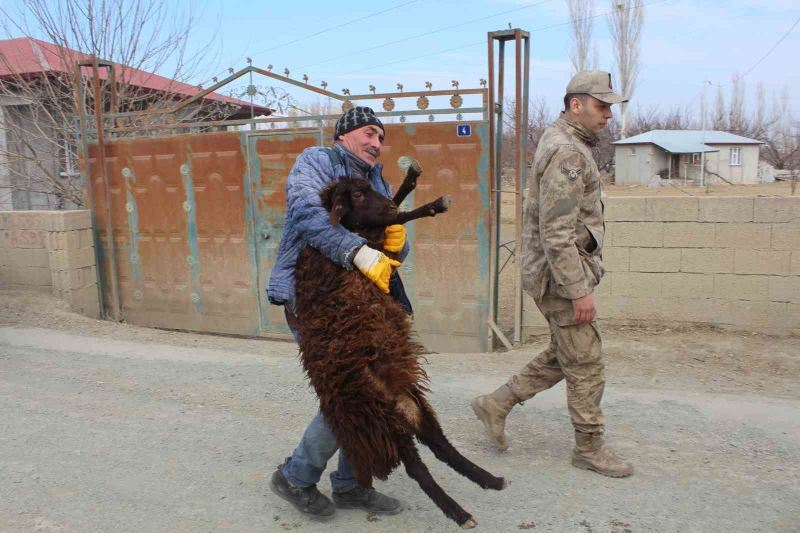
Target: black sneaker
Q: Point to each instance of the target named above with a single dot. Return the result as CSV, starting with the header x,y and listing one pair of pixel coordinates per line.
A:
x,y
307,500
369,500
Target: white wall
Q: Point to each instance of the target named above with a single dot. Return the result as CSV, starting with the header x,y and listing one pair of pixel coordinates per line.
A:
x,y
747,172
640,163
637,163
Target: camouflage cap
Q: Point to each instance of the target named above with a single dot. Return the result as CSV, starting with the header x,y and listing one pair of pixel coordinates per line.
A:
x,y
595,83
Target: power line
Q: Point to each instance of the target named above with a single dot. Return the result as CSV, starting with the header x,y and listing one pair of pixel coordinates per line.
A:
x,y
413,58
752,68
336,27
320,32
543,28
596,16
783,38
425,34
720,85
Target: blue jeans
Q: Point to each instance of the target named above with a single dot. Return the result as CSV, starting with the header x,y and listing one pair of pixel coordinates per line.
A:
x,y
309,459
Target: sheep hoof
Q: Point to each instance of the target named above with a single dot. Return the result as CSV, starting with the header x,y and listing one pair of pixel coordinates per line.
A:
x,y
415,166
469,524
443,203
504,483
409,165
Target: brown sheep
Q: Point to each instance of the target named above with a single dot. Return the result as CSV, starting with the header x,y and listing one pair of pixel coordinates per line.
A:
x,y
357,349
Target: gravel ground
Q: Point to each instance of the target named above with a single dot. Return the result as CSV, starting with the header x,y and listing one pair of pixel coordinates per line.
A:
x,y
114,428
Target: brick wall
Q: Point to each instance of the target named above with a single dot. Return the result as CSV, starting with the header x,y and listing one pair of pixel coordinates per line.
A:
x,y
729,261
50,250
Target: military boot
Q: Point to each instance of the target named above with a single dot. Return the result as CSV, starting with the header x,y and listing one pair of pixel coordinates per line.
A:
x,y
492,409
591,453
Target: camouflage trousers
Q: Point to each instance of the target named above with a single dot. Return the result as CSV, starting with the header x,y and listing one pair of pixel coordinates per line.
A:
x,y
575,355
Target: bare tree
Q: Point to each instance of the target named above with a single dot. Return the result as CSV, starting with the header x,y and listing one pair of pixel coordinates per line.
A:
x,y
760,120
781,147
703,109
139,36
734,118
678,118
736,114
539,118
720,122
603,151
318,107
581,22
625,23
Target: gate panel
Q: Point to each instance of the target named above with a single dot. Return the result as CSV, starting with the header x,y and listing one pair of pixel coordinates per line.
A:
x,y
271,156
119,217
197,217
221,275
197,220
181,238
151,289
447,272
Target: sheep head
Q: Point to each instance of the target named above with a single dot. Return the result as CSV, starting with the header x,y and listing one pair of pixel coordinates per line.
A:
x,y
356,205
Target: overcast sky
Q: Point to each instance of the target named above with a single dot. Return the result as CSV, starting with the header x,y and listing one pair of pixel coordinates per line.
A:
x,y
414,41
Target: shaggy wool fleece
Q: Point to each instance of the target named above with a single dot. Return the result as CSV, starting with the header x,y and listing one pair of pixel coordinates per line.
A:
x,y
357,351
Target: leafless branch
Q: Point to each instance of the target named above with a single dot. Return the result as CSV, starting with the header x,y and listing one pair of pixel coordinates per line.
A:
x,y
140,36
581,22
625,23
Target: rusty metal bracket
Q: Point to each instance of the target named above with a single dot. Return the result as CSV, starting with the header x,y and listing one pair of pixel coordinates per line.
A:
x,y
80,97
496,82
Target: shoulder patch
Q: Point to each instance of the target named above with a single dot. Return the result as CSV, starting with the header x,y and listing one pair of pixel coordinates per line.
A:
x,y
572,166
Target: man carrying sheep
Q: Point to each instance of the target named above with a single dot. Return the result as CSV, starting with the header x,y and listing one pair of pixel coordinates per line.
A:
x,y
358,138
562,243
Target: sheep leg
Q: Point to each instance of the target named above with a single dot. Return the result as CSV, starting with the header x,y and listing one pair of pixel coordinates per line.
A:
x,y
417,471
440,205
413,171
432,436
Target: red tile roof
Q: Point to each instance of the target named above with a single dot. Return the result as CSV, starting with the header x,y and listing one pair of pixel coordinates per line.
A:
x,y
26,56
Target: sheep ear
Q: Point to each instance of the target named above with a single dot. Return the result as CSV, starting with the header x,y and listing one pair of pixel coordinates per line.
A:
x,y
339,209
326,196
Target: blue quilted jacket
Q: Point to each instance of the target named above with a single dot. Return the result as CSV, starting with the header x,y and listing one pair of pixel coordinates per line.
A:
x,y
307,222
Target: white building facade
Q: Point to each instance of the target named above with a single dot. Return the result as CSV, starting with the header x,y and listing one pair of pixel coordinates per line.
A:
x,y
677,155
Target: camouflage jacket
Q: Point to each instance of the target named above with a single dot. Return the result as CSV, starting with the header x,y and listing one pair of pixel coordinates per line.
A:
x,y
563,228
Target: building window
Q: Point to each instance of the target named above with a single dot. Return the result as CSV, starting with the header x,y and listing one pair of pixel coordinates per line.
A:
x,y
695,159
736,156
68,158
633,150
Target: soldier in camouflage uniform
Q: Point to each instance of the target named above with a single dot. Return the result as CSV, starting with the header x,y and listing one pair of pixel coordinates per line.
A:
x,y
562,249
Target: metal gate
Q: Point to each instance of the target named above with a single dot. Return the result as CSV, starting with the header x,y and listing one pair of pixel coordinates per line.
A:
x,y
188,224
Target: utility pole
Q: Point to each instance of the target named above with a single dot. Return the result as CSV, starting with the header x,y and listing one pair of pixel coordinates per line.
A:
x,y
703,138
624,46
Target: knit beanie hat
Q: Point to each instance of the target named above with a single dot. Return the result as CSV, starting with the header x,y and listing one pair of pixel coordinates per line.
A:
x,y
354,118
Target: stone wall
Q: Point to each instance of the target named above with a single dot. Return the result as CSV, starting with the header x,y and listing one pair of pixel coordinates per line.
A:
x,y
51,250
731,261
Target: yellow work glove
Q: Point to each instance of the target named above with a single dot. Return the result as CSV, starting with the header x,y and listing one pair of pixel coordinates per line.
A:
x,y
376,266
394,237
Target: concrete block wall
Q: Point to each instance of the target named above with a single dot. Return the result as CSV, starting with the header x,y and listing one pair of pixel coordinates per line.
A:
x,y
728,261
51,250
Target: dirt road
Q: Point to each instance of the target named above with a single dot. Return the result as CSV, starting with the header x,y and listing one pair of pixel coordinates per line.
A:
x,y
113,428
